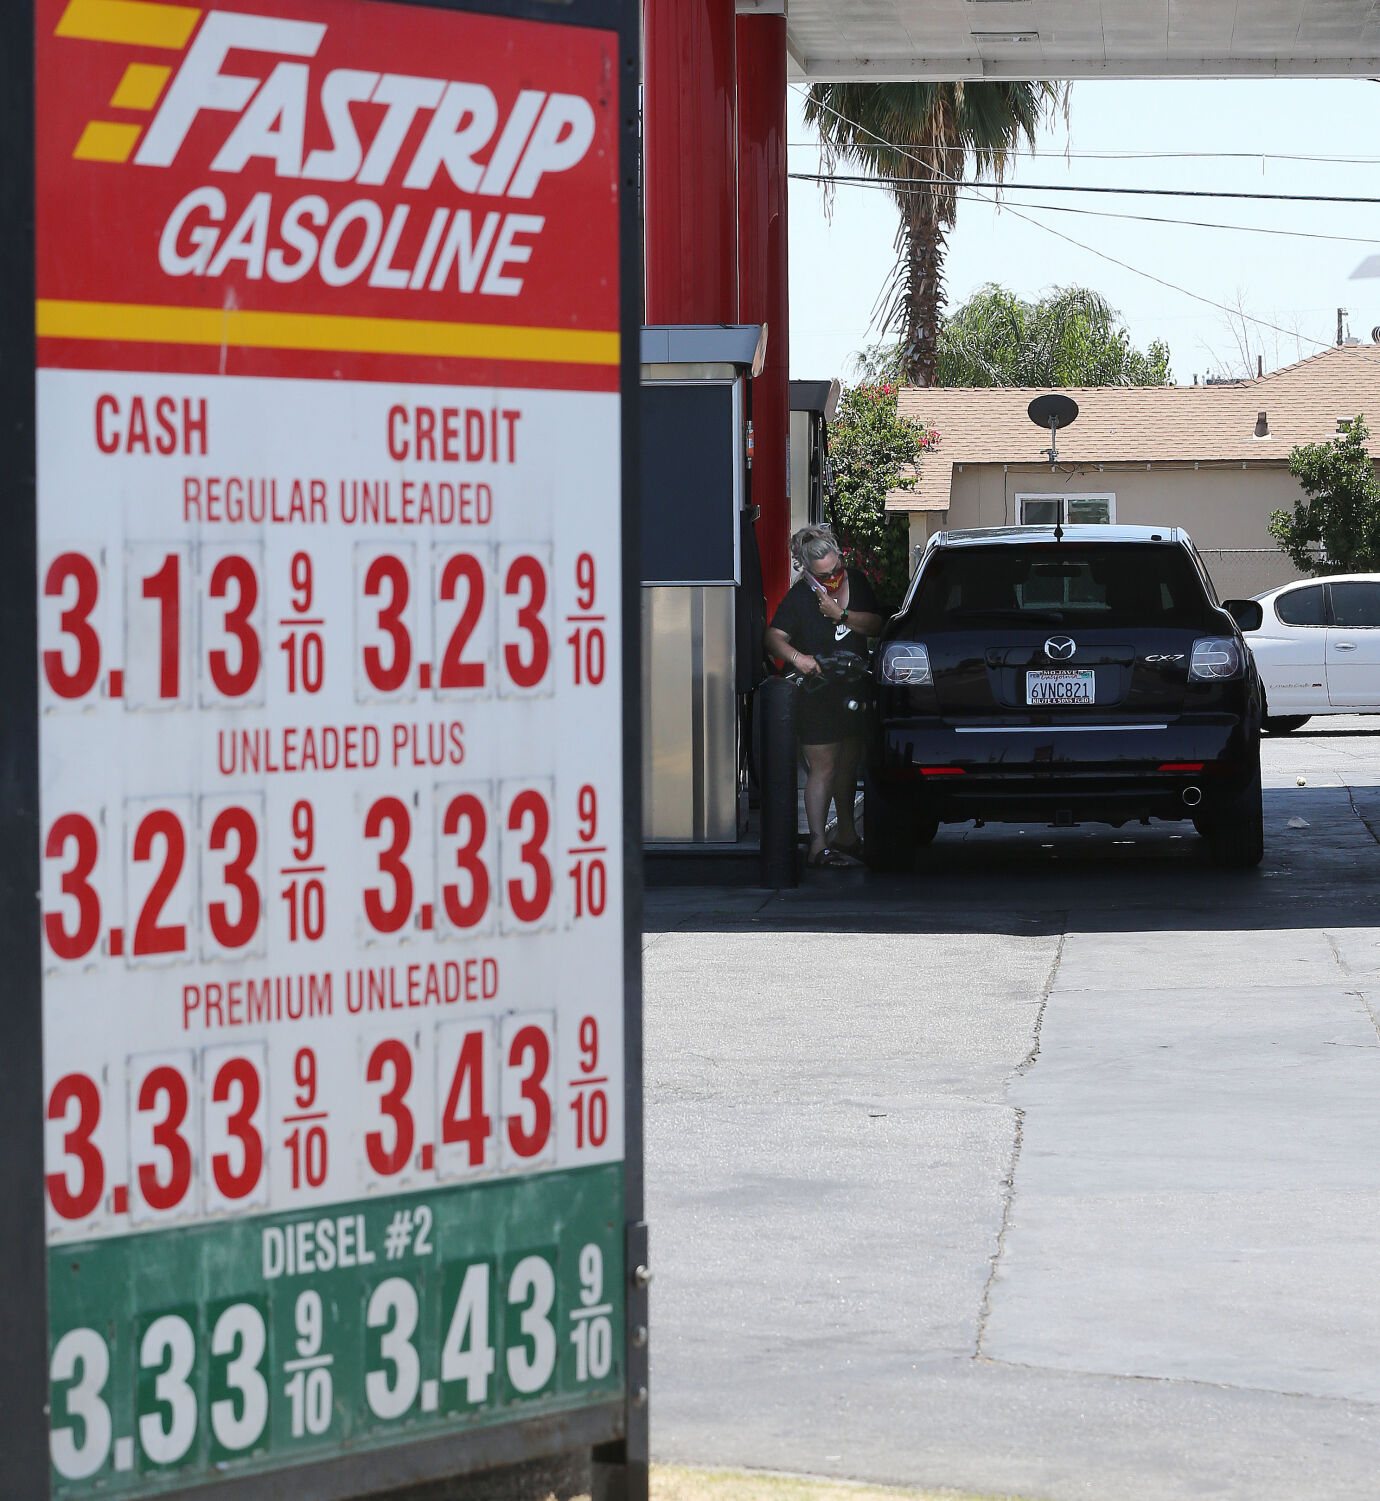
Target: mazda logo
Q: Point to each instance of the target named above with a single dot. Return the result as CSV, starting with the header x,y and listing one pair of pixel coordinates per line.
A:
x,y
1060,648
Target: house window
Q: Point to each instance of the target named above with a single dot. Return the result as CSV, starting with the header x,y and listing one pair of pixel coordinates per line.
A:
x,y
1066,510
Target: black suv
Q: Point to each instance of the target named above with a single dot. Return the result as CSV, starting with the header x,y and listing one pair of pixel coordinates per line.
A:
x,y
1056,675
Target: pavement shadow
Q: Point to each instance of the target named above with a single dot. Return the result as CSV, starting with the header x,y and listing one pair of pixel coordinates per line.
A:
x,y
1321,869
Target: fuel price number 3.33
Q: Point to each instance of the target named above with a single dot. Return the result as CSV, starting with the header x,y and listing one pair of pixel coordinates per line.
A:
x,y
296,1365
220,625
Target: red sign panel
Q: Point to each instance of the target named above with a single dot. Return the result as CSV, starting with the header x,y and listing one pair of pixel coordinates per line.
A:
x,y
320,192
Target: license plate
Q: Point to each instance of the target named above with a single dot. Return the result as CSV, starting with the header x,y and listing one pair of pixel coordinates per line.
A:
x,y
1044,687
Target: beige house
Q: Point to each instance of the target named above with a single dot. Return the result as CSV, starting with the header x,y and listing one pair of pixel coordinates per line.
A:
x,y
1212,459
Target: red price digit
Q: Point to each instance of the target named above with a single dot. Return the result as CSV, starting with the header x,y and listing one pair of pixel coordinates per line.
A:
x,y
306,900
531,1042
239,1073
308,1156
388,919
529,906
589,1045
526,573
75,622
584,581
299,572
455,672
395,1055
587,805
304,1076
586,645
303,830
164,587
467,809
240,572
76,1204
467,1087
590,1107
76,883
590,880
390,677
151,937
238,822
166,1081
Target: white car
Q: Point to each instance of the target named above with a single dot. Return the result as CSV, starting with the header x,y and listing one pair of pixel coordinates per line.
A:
x,y
1317,649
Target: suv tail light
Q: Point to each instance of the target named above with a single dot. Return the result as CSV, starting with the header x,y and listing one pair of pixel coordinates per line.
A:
x,y
906,663
1216,658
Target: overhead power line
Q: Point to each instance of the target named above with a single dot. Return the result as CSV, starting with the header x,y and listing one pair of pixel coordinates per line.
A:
x,y
1058,234
1094,213
944,180
1165,156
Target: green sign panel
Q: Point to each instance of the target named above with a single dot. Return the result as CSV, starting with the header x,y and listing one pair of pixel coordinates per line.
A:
x,y
246,1346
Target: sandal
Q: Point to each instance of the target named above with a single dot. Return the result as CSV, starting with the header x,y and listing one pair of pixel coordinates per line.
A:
x,y
828,859
853,849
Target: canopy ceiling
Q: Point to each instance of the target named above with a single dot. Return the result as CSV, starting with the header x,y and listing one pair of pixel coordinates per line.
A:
x,y
948,39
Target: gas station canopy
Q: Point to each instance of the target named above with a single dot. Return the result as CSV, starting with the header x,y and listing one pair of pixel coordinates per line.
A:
x,y
964,39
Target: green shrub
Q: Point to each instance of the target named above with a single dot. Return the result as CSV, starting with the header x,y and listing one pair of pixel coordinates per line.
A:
x,y
871,446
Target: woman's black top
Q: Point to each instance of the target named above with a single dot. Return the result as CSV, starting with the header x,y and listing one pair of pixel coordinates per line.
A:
x,y
826,712
812,632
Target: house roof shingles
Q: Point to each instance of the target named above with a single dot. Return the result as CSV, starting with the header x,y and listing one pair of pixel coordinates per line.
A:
x,y
1145,424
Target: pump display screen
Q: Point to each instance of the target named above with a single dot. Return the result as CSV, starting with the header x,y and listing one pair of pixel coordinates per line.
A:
x,y
691,489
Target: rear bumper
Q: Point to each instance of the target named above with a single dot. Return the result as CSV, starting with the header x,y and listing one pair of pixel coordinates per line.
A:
x,y
1104,771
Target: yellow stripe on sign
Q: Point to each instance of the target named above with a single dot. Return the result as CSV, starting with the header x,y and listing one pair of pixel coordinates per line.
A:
x,y
237,328
103,141
140,87
140,22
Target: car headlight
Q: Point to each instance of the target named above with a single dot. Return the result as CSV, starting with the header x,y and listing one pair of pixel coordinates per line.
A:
x,y
1215,658
906,663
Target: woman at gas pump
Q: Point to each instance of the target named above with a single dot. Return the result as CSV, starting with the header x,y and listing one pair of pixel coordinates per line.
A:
x,y
830,610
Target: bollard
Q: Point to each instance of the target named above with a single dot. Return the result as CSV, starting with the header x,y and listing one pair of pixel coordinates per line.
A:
x,y
777,772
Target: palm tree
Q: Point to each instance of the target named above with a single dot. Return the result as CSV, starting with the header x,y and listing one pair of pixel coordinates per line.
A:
x,y
921,137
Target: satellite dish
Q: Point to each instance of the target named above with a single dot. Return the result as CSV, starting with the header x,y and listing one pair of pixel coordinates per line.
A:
x,y
1054,410
1375,335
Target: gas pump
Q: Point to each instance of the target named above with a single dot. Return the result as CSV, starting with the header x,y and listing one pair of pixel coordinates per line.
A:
x,y
702,605
813,404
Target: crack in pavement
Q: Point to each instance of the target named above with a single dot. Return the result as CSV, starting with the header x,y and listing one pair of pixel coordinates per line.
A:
x,y
1218,1386
1369,827
1008,1185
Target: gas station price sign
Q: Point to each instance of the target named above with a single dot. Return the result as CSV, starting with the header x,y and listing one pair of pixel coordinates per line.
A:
x,y
330,578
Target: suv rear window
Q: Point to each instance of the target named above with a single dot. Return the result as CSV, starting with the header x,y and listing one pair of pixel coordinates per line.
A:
x,y
1091,584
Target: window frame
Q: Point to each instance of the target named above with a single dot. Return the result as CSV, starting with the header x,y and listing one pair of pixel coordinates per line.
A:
x,y
1332,620
1298,588
1063,497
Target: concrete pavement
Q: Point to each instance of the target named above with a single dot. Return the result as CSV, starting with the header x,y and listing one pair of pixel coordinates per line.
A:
x,y
1051,1169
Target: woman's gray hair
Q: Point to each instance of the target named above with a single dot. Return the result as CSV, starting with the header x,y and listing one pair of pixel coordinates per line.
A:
x,y
811,543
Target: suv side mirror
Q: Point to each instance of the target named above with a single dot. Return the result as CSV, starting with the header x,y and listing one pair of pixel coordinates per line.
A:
x,y
1247,613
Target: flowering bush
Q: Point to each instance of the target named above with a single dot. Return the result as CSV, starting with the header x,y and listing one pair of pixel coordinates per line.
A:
x,y
871,448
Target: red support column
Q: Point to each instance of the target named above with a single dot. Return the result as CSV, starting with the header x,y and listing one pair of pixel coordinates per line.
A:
x,y
763,295
690,149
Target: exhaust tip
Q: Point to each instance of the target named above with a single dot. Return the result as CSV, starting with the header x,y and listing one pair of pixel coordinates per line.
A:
x,y
1192,796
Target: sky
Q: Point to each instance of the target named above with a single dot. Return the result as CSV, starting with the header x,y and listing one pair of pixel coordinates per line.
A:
x,y
1296,284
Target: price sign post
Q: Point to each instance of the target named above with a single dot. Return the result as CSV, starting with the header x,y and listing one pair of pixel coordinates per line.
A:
x,y
333,318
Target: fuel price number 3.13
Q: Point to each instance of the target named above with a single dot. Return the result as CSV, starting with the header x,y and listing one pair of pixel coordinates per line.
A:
x,y
181,625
